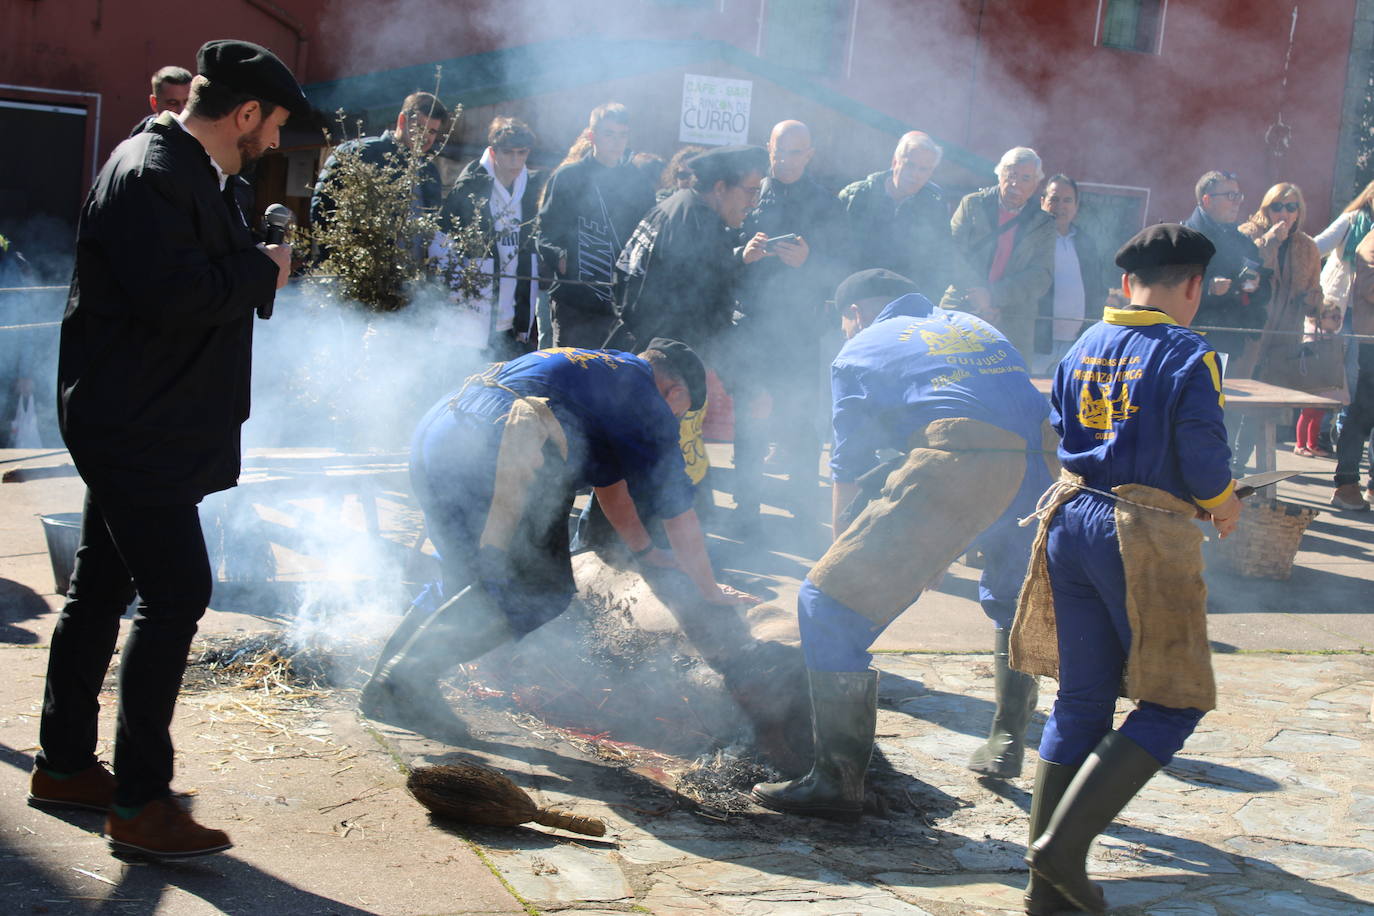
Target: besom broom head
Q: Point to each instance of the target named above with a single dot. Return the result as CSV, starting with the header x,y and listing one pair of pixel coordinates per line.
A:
x,y
480,795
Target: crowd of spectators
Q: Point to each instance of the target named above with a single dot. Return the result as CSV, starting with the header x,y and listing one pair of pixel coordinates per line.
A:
x,y
736,250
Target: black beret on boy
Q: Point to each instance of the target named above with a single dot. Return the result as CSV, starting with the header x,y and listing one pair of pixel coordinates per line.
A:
x,y
874,283
1164,245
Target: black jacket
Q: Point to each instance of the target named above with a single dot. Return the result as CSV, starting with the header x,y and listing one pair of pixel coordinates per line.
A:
x,y
789,301
680,274
156,343
378,151
910,237
588,213
467,203
1235,309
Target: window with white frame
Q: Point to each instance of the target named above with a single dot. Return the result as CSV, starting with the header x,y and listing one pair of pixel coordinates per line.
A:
x,y
1131,25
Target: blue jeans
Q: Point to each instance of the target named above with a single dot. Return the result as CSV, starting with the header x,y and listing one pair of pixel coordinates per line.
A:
x,y
1089,585
1358,421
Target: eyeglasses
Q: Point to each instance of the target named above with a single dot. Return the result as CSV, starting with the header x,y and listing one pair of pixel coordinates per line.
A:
x,y
1229,195
1277,207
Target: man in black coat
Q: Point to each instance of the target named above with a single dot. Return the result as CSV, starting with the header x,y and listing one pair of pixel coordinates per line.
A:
x,y
783,297
899,219
681,268
153,386
418,126
1234,295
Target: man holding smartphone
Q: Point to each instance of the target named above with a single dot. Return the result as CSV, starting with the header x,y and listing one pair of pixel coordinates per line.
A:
x,y
783,299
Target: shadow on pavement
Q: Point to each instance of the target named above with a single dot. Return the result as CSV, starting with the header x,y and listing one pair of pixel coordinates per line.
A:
x,y
227,884
17,604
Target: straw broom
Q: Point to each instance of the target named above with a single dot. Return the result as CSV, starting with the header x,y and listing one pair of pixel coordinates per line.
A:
x,y
480,795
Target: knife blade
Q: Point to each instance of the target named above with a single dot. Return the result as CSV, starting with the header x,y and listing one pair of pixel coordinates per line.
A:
x,y
1247,486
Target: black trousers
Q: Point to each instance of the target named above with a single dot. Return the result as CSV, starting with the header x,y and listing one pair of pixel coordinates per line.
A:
x,y
574,326
1359,420
158,551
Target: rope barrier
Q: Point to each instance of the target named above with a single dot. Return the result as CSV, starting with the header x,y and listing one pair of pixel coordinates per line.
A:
x,y
1361,338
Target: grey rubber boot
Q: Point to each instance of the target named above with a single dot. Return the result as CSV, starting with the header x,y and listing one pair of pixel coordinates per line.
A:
x,y
1051,782
1114,772
1004,751
404,690
844,715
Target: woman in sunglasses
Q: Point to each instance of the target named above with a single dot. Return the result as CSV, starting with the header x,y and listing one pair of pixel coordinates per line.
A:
x,y
1296,294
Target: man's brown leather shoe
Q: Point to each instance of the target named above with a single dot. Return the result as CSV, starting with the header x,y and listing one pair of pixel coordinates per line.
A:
x,y
92,789
163,830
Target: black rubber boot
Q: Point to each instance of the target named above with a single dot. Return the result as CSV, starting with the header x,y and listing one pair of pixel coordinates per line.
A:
x,y
1004,751
1111,776
844,715
1051,782
404,690
415,617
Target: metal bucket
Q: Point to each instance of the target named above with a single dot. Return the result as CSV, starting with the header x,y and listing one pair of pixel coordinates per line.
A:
x,y
63,533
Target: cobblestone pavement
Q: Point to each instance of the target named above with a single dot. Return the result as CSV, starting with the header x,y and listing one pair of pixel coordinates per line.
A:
x,y
1268,810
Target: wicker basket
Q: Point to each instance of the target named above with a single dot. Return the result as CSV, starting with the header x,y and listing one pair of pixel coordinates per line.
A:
x,y
1265,542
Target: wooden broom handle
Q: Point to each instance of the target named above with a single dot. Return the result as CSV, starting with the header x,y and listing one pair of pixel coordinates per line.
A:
x,y
577,823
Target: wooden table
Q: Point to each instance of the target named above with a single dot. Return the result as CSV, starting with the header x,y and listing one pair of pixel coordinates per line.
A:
x,y
1266,403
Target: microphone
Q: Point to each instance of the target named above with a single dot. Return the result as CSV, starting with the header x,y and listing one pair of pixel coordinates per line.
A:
x,y
276,222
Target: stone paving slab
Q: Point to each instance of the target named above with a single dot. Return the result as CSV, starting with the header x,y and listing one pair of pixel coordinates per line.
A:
x,y
1256,816
1269,809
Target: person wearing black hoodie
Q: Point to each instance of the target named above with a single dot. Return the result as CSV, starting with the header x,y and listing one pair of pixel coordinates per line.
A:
x,y
590,207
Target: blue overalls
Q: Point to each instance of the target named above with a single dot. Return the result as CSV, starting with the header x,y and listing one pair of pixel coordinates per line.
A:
x,y
618,427
1136,400
914,365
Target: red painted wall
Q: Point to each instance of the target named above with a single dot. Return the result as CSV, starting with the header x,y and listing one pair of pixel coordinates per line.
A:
x,y
985,74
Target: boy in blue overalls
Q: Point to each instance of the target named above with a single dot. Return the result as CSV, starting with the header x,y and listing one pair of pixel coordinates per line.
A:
x,y
1138,405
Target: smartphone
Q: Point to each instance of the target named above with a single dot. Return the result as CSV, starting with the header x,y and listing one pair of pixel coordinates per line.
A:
x,y
769,244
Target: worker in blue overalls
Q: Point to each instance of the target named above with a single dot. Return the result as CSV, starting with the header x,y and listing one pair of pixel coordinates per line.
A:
x,y
948,393
495,467
1115,583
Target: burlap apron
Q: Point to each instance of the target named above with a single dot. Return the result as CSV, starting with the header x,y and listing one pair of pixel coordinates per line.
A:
x,y
530,427
958,479
1170,661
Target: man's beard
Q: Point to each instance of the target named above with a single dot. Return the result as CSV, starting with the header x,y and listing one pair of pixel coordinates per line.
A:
x,y
250,149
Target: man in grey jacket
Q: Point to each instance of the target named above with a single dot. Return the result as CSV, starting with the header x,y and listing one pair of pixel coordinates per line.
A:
x,y
1005,247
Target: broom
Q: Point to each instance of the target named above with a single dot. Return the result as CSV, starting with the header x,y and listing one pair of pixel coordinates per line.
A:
x,y
479,795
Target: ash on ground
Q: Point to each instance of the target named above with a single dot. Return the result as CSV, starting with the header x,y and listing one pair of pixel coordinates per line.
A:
x,y
720,784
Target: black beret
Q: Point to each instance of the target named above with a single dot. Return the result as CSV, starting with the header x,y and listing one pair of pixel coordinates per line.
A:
x,y
875,283
252,70
685,363
1164,245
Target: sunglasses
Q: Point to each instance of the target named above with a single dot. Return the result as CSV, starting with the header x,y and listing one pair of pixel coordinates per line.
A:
x,y
1291,207
1229,195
